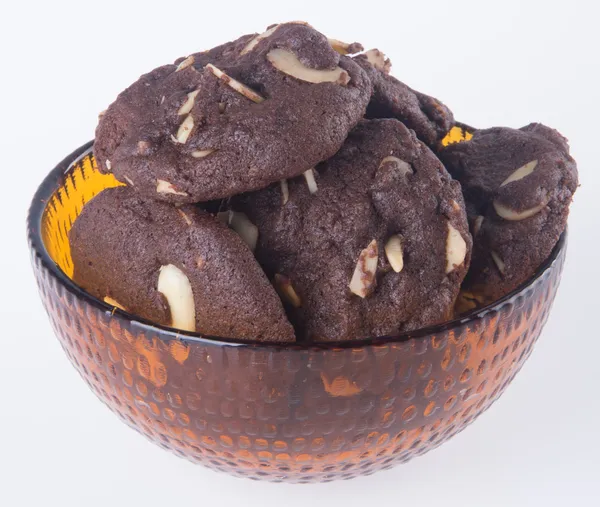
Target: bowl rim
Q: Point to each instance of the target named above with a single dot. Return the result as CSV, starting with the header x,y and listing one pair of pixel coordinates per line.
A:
x,y
55,178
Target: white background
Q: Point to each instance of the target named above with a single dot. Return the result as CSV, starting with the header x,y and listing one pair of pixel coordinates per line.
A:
x,y
494,63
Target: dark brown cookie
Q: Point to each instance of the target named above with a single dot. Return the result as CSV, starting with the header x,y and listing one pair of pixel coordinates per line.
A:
x,y
428,117
373,242
176,267
518,185
233,119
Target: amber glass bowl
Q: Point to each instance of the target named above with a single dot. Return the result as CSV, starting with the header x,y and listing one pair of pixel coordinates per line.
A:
x,y
282,413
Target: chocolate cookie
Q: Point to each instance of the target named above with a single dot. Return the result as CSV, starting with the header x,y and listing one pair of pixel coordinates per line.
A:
x,y
518,185
428,117
375,241
233,119
176,267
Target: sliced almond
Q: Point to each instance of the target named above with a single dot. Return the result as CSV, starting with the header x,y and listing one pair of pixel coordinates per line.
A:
x,y
188,104
185,63
455,205
254,42
128,180
101,114
521,172
363,279
477,224
285,191
187,219
286,291
164,187
343,48
113,302
288,63
400,166
177,289
236,85
309,176
378,60
394,253
185,129
241,224
108,165
515,216
201,153
498,261
456,249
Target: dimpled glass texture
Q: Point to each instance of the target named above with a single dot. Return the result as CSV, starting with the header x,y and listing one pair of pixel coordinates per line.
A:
x,y
297,413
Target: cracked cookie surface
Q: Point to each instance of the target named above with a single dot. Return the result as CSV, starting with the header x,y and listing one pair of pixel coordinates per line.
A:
x,y
178,267
235,118
373,242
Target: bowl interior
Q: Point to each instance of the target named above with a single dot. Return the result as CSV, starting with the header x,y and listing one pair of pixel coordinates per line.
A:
x,y
81,184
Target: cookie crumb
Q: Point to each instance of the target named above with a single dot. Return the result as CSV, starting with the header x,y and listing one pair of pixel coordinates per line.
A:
x,y
188,105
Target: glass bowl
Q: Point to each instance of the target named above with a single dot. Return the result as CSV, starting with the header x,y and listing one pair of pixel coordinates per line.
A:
x,y
301,413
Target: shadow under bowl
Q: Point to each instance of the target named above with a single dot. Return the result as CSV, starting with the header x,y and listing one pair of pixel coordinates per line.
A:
x,y
300,413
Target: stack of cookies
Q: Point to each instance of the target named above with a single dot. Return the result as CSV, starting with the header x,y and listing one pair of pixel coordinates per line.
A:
x,y
285,187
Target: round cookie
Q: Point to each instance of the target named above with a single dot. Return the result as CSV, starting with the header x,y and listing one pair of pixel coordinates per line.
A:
x,y
374,242
177,267
518,185
235,118
428,117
